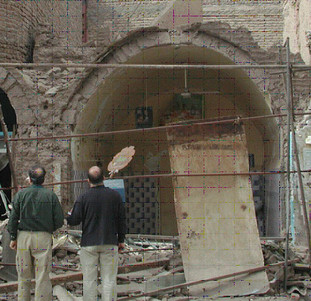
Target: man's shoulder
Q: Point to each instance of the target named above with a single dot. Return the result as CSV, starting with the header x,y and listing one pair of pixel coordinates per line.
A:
x,y
104,190
115,194
46,191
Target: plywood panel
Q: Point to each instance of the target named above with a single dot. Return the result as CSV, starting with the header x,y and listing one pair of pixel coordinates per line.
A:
x,y
215,215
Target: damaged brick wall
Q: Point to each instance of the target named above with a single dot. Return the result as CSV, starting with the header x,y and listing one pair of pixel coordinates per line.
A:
x,y
60,35
111,20
17,29
22,21
108,21
264,19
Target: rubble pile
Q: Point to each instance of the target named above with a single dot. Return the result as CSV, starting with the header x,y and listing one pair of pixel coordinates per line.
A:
x,y
298,275
141,264
147,266
52,81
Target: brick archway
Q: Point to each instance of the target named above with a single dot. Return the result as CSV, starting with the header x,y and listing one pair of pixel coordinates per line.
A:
x,y
100,101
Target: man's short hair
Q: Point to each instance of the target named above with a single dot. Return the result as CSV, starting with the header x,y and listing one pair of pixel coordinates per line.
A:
x,y
95,175
37,174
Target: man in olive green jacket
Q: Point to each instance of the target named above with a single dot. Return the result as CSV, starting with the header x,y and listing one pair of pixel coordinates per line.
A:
x,y
35,215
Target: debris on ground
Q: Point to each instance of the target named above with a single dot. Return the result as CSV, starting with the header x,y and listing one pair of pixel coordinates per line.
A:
x,y
149,265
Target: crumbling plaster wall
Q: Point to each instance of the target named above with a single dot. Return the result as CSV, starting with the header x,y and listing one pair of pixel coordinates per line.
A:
x,y
297,27
22,23
109,21
264,19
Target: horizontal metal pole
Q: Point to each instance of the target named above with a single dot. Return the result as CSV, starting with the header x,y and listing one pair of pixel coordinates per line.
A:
x,y
149,66
53,266
157,128
272,238
77,276
142,66
171,175
174,287
153,237
170,238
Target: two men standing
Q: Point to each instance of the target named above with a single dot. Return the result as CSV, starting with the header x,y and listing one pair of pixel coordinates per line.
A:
x,y
37,213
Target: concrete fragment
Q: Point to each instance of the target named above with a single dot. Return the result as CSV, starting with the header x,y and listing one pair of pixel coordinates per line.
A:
x,y
52,91
8,83
42,88
28,80
62,294
164,279
7,273
17,91
3,75
60,254
69,116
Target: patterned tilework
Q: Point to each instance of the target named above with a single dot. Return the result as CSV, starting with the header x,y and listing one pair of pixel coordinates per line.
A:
x,y
142,210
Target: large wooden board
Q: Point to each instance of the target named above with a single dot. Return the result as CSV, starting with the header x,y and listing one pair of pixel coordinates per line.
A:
x,y
215,215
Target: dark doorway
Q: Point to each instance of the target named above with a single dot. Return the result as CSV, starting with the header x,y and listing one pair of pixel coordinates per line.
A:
x,y
5,172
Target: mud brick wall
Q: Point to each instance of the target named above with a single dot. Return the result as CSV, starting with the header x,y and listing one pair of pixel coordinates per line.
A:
x,y
112,19
22,21
264,18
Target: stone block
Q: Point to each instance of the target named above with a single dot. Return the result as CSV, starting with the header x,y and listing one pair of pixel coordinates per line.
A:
x,y
8,83
3,75
69,116
16,95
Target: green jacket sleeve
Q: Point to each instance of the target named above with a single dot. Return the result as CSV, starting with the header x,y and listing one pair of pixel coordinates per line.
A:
x,y
58,213
14,218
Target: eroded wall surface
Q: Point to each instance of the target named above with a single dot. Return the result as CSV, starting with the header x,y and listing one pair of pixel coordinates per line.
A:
x,y
297,27
24,24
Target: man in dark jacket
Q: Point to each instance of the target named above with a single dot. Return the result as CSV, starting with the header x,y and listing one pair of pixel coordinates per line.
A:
x,y
102,213
35,215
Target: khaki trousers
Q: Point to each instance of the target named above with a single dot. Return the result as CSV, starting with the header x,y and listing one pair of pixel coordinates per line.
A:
x,y
34,258
104,258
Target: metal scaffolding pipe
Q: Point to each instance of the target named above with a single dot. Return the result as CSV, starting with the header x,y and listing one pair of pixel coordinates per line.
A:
x,y
171,175
138,66
295,150
291,130
174,287
147,66
157,128
288,190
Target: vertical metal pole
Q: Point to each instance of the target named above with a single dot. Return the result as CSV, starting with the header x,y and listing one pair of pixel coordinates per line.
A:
x,y
290,127
6,137
297,160
289,105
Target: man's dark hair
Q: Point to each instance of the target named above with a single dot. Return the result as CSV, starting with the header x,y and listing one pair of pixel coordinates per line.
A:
x,y
95,175
37,174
